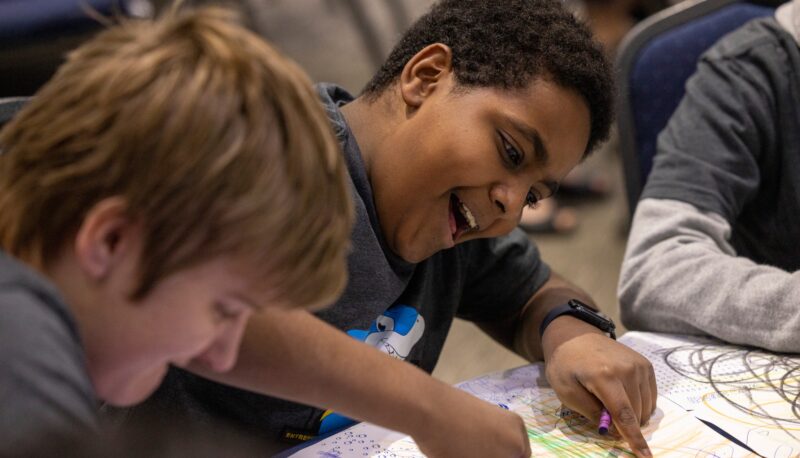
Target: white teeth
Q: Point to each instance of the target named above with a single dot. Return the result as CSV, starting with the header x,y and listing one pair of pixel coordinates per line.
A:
x,y
473,224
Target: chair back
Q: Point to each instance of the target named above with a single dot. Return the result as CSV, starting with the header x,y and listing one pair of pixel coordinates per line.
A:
x,y
35,35
654,62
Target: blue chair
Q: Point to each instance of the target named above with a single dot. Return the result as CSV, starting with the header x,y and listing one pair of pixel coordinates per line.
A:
x,y
654,62
36,34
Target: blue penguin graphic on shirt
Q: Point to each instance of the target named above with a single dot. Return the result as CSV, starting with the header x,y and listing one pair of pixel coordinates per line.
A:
x,y
395,332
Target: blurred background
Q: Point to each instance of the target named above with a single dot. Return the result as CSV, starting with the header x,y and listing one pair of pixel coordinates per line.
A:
x,y
582,236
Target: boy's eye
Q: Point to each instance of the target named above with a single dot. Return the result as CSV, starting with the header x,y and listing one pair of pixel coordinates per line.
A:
x,y
226,311
513,155
532,199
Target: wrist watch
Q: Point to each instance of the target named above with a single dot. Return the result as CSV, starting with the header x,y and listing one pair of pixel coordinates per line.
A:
x,y
583,312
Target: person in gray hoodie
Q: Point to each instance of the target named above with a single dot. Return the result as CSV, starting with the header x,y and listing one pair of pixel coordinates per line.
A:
x,y
713,247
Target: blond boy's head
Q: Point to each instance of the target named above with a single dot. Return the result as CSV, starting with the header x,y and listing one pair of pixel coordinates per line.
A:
x,y
216,144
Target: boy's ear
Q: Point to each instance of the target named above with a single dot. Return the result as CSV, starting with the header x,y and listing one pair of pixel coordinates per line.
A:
x,y
425,72
104,237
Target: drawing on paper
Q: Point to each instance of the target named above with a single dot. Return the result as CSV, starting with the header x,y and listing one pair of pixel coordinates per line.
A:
x,y
761,385
555,431
754,395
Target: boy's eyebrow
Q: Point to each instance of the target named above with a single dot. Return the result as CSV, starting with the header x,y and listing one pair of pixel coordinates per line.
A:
x,y
540,153
552,186
246,301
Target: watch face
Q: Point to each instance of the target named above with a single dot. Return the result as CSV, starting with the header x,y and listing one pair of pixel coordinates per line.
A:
x,y
578,305
592,316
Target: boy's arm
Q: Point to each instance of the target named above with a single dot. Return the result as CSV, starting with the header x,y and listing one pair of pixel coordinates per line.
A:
x,y
45,392
296,356
587,369
681,274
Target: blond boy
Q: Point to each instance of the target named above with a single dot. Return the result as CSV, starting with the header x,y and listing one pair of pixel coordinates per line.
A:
x,y
150,196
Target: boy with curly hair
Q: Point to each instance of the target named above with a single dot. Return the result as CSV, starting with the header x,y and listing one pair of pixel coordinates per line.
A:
x,y
482,108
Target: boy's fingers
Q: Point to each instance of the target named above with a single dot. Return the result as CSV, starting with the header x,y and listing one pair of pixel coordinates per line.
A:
x,y
614,397
648,402
649,393
636,401
583,402
653,389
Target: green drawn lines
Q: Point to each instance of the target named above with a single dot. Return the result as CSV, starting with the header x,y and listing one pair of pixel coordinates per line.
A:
x,y
568,448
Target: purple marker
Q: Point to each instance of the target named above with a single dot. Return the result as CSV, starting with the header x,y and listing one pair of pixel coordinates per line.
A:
x,y
605,422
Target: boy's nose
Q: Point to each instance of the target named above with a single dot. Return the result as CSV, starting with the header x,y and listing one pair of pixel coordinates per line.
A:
x,y
222,353
509,199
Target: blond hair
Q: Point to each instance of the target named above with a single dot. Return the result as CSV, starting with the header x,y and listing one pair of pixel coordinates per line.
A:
x,y
217,143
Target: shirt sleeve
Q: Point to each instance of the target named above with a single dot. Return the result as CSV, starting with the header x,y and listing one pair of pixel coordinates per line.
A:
x,y
44,387
681,275
709,153
503,273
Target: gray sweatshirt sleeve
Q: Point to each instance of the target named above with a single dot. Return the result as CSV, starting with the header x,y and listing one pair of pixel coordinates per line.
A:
x,y
45,391
680,274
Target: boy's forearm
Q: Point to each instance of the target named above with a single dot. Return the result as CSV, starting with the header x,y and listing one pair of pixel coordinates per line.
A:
x,y
295,356
557,291
681,275
520,333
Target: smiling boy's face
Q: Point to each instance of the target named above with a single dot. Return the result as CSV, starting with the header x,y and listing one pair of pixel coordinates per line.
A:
x,y
462,165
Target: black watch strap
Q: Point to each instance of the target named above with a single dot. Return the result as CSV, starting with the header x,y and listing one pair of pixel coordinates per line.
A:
x,y
582,312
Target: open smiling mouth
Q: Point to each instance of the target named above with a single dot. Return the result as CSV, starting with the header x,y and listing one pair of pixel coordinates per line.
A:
x,y
461,218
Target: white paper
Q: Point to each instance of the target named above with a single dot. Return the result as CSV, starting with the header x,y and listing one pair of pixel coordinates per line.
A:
x,y
752,394
751,398
687,392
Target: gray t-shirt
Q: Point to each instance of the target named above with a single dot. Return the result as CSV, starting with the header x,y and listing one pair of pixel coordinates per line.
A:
x,y
45,391
404,309
742,112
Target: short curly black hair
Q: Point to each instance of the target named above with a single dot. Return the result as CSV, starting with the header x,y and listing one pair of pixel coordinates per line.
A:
x,y
508,43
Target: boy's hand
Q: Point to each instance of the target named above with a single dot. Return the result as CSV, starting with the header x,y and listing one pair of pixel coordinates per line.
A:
x,y
589,371
470,427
